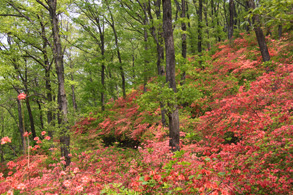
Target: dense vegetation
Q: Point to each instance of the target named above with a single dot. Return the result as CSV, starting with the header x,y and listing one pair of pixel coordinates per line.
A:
x,y
87,96
236,137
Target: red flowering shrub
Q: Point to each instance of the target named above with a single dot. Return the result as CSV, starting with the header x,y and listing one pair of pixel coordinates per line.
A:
x,y
236,139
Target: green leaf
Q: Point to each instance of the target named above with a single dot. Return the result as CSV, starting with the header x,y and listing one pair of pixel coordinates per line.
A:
x,y
221,173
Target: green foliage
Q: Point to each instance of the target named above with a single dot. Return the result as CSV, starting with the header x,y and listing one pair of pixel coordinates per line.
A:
x,y
117,188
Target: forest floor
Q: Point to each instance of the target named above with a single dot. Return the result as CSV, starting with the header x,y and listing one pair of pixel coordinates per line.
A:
x,y
236,123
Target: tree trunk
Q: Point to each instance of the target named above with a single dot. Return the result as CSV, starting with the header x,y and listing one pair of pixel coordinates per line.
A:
x,y
47,66
207,25
102,47
218,20
31,118
62,100
146,62
72,86
231,19
160,51
199,28
112,24
249,22
103,85
259,34
1,154
191,34
183,38
50,100
20,126
41,114
170,74
2,131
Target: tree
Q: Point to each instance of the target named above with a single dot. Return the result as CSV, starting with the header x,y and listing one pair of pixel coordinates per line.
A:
x,y
51,7
231,19
173,114
111,22
259,33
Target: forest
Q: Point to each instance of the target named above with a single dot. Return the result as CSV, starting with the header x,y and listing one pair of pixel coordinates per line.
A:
x,y
146,97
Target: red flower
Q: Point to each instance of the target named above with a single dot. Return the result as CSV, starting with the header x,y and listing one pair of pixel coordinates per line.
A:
x,y
4,140
21,96
26,134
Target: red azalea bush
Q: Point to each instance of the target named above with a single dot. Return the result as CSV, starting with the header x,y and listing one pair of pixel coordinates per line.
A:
x,y
236,139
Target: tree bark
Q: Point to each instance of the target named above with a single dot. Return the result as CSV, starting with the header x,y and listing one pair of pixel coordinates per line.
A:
x,y
231,19
191,34
157,33
259,34
31,118
249,21
49,99
74,104
199,28
47,67
146,62
170,74
2,131
20,126
183,38
122,74
41,114
59,65
102,47
207,26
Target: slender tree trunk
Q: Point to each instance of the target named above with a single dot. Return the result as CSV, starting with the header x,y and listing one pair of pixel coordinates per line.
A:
x,y
31,118
59,64
122,74
249,22
177,9
73,94
183,38
218,20
1,154
103,85
159,40
160,54
133,67
173,115
20,126
121,66
231,19
50,100
146,62
191,34
102,47
199,28
207,25
259,34
2,131
72,86
47,67
41,114
226,25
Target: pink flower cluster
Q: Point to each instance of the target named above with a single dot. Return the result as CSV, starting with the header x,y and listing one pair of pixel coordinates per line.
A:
x,y
5,140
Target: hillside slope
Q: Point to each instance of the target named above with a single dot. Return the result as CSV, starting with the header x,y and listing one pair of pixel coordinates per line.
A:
x,y
236,123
